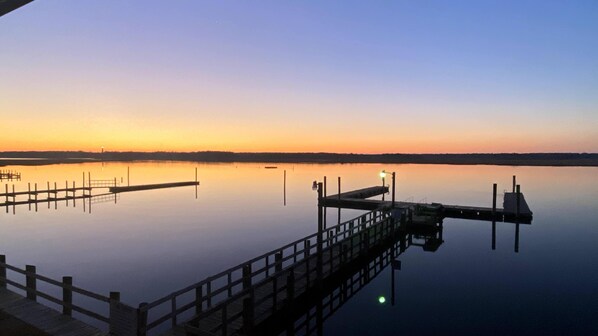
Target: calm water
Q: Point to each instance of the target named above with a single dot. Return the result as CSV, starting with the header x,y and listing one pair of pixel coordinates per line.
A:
x,y
150,243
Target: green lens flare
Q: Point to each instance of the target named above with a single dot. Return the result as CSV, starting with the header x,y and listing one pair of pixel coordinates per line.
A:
x,y
381,299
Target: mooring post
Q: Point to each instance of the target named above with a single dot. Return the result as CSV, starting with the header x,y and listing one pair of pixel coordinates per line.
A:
x,y
518,199
517,237
393,188
383,185
514,182
67,295
198,299
320,212
284,188
2,271
129,176
493,200
31,282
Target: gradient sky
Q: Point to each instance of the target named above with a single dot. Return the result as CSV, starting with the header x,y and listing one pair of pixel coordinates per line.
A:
x,y
337,76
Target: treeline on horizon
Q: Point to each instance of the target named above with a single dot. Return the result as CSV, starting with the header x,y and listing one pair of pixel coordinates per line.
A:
x,y
220,156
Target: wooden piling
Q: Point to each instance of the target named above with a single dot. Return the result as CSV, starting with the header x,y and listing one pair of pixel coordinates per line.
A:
x,y
246,276
31,282
518,200
198,300
248,314
494,200
393,188
514,182
67,295
2,271
142,319
278,261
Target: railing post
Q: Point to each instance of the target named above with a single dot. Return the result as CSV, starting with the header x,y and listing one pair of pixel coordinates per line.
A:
x,y
248,313
2,271
291,285
67,295
198,300
142,319
278,261
246,276
31,283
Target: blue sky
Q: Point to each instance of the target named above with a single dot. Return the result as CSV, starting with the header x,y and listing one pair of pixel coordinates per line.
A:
x,y
425,76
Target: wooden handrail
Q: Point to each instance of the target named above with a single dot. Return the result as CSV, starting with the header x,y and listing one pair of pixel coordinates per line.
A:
x,y
33,292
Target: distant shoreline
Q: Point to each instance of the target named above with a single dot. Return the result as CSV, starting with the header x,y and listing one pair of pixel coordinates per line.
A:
x,y
500,159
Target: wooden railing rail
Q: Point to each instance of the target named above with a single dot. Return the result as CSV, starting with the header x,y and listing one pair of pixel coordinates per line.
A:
x,y
66,302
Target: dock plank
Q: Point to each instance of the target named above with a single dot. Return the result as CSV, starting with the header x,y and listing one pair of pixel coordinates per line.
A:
x,y
43,318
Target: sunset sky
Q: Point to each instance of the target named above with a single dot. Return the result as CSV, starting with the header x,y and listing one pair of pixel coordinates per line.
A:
x,y
334,76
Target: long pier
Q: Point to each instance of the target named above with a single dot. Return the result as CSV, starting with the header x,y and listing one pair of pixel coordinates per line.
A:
x,y
74,192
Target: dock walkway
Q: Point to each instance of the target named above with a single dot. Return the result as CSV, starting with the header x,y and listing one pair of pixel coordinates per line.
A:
x,y
43,318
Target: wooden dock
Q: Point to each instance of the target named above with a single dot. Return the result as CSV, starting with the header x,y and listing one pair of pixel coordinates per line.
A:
x,y
510,212
9,175
240,298
119,319
43,318
152,186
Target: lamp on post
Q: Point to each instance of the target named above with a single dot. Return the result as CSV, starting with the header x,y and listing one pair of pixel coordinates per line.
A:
x,y
383,176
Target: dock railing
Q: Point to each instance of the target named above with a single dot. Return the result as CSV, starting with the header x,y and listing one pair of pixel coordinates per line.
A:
x,y
117,310
102,183
213,292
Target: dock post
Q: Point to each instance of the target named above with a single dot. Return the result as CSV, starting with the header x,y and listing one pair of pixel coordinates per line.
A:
x,y
514,182
129,176
246,276
493,234
278,261
383,185
142,319
31,282
518,200
198,299
320,213
2,271
291,285
67,295
517,237
248,314
493,200
284,188
393,188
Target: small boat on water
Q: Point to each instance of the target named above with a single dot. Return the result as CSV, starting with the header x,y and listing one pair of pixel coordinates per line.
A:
x,y
271,167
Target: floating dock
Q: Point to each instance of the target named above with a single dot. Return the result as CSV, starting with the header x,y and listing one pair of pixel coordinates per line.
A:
x,y
152,186
514,209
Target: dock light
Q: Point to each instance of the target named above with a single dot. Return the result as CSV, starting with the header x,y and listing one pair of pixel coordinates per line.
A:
x,y
381,299
382,174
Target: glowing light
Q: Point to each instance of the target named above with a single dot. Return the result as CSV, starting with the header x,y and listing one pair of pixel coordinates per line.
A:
x,y
382,174
381,299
